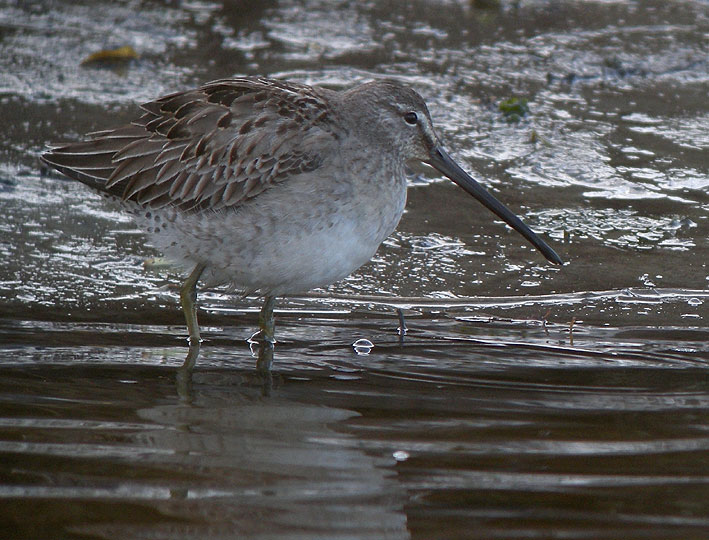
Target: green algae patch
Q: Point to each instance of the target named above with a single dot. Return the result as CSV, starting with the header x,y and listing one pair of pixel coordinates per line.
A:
x,y
513,109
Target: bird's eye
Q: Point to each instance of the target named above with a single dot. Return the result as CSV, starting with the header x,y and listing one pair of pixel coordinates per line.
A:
x,y
411,118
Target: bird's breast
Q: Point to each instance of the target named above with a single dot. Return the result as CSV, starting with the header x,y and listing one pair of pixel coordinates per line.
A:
x,y
309,231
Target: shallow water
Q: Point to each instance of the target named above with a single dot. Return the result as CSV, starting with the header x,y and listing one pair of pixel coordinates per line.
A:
x,y
468,430
525,401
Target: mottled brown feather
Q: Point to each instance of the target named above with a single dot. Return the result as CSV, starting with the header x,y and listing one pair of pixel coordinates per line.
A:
x,y
213,147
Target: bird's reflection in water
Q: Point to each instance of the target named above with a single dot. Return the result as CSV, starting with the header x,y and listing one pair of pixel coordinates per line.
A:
x,y
243,465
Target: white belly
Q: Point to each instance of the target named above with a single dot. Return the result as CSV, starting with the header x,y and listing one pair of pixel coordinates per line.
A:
x,y
289,239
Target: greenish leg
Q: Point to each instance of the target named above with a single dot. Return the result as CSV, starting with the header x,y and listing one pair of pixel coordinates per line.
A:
x,y
188,297
265,359
266,331
265,320
184,374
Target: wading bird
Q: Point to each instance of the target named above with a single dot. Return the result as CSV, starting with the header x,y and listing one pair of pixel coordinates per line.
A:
x,y
271,187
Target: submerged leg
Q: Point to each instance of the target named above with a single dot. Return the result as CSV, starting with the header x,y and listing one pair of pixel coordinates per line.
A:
x,y
402,324
265,319
266,330
188,297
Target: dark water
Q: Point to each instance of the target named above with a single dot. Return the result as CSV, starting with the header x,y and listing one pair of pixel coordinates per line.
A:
x,y
526,401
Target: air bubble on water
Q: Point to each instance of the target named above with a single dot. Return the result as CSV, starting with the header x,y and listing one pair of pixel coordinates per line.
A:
x,y
401,455
363,346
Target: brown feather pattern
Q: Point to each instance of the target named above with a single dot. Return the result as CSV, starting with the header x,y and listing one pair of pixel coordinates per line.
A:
x,y
209,148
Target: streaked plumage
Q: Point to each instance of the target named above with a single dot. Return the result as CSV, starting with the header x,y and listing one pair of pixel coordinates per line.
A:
x,y
210,148
269,186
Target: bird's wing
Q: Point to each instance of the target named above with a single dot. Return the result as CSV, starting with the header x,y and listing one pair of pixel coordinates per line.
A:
x,y
213,147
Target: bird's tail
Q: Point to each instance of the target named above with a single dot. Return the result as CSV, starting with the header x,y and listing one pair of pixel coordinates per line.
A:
x,y
92,161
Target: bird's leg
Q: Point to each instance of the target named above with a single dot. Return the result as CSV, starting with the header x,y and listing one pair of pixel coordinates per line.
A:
x,y
264,361
402,325
266,331
265,320
188,297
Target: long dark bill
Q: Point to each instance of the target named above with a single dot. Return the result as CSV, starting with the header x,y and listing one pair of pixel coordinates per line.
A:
x,y
445,164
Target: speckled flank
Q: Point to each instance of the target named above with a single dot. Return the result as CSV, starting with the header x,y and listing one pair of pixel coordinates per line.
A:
x,y
286,240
